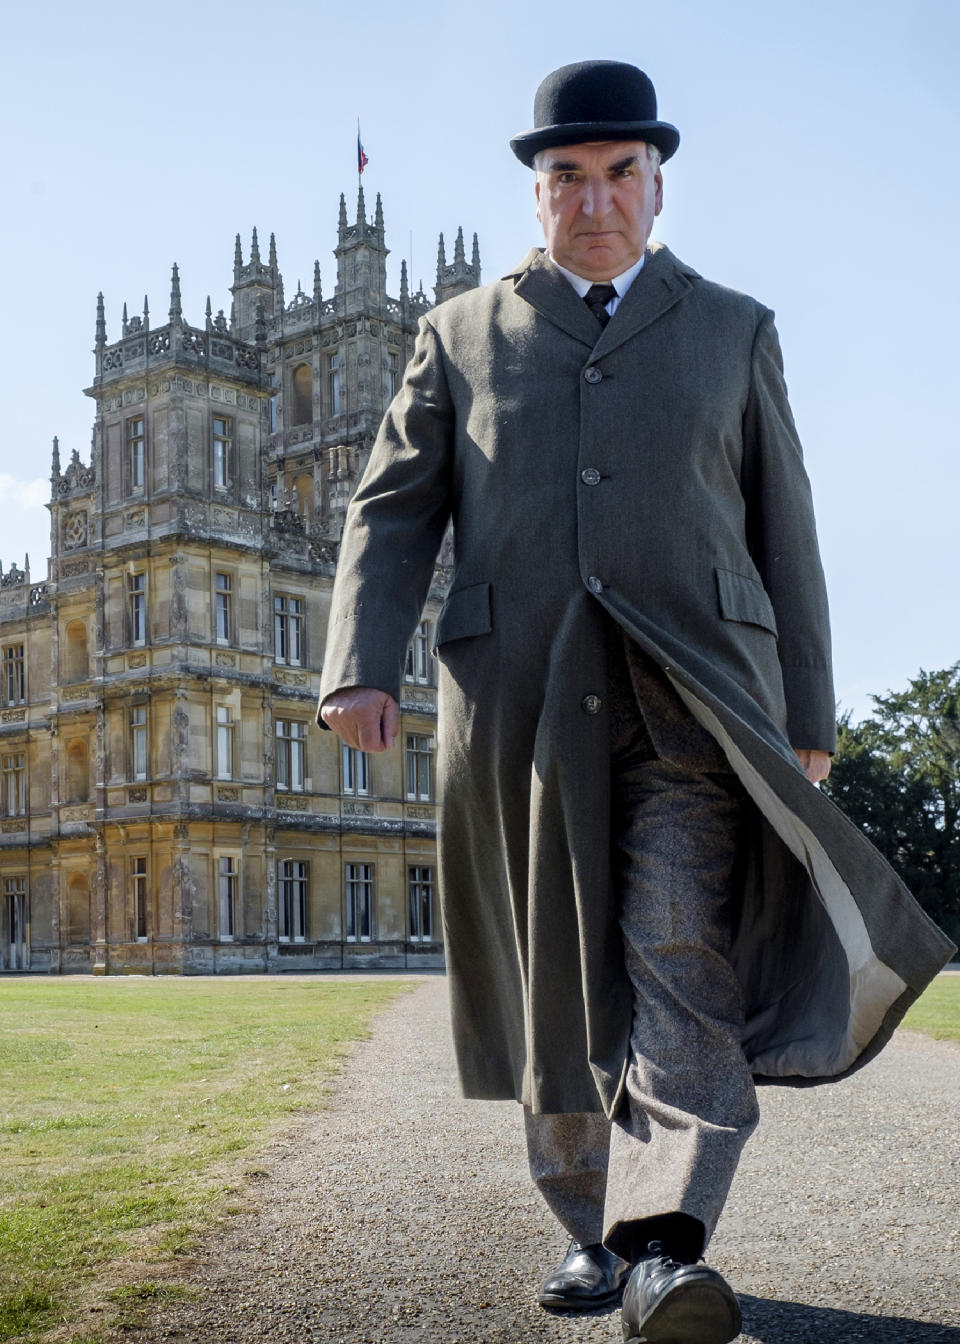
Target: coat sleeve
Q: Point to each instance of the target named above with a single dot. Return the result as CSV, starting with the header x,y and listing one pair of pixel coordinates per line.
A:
x,y
393,530
782,535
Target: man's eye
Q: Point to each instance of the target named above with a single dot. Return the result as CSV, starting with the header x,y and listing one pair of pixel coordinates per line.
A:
x,y
564,178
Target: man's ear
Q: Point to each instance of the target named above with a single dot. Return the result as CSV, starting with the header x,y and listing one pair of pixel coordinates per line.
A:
x,y
658,178
536,189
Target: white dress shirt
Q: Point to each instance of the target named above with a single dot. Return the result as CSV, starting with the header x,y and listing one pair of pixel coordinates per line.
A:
x,y
621,283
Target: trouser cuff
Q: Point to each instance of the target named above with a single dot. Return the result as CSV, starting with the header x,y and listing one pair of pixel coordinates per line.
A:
x,y
682,1236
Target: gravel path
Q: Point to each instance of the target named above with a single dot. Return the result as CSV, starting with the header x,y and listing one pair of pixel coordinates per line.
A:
x,y
404,1214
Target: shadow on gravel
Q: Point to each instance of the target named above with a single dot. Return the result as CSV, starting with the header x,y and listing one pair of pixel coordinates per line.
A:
x,y
771,1322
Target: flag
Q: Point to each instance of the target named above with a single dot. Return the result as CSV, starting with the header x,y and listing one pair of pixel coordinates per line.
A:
x,y
362,159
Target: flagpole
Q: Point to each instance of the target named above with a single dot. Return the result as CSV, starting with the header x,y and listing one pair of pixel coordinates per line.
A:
x,y
362,159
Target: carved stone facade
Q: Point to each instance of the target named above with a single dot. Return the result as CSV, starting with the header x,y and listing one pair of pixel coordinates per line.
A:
x,y
168,804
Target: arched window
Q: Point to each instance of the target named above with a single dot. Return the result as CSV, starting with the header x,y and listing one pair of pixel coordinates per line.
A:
x,y
77,662
302,380
78,909
78,771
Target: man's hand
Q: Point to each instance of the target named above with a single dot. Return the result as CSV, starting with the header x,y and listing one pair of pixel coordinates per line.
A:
x,y
364,717
816,764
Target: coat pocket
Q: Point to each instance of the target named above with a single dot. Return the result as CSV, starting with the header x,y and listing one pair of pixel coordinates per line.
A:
x,y
466,612
744,598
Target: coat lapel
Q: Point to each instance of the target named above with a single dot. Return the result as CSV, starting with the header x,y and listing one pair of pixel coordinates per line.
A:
x,y
663,282
539,282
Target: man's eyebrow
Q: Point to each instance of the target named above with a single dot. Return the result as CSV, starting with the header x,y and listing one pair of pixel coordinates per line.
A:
x,y
571,165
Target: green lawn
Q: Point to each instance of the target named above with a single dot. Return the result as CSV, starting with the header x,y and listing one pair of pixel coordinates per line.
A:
x,y
127,1106
937,1012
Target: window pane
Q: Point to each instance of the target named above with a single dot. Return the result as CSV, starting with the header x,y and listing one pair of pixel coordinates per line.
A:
x,y
301,929
227,884
351,911
138,731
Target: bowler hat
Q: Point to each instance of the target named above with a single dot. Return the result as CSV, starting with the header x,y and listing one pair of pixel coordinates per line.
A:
x,y
595,100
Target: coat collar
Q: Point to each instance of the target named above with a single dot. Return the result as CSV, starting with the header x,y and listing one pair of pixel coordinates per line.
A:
x,y
663,282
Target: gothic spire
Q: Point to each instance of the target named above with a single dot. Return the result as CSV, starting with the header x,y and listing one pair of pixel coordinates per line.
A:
x,y
361,210
342,222
237,260
441,261
101,337
209,314
176,312
475,263
378,217
273,254
459,257
55,469
254,249
146,312
123,321
404,287
317,290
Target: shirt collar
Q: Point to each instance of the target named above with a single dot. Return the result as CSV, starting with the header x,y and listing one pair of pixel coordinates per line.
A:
x,y
621,283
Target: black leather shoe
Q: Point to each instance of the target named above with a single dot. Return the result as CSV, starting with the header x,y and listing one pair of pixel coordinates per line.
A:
x,y
589,1277
667,1302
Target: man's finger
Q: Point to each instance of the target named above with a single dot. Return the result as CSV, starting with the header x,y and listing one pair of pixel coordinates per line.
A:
x,y
391,722
369,732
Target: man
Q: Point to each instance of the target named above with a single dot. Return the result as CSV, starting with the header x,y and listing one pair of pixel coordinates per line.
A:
x,y
647,903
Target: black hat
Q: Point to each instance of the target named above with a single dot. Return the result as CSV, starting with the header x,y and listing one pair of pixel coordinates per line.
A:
x,y
595,100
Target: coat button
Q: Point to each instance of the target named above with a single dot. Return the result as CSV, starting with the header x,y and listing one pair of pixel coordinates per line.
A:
x,y
591,704
594,584
593,374
590,476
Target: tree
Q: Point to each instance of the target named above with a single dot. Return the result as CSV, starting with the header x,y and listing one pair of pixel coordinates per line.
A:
x,y
897,775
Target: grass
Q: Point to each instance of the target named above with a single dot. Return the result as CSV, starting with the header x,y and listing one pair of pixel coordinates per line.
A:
x,y
128,1107
937,1011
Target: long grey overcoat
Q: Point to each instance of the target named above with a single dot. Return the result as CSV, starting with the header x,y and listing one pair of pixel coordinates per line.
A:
x,y
649,472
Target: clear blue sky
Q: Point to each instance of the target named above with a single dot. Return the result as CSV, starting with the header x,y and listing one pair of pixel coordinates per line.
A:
x,y
817,171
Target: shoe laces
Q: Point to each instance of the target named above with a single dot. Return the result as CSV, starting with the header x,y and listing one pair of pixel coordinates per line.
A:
x,y
657,1251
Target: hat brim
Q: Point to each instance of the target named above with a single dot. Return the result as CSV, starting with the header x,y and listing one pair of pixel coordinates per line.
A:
x,y
659,133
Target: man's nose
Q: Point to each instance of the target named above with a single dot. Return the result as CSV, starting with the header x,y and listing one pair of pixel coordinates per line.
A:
x,y
596,198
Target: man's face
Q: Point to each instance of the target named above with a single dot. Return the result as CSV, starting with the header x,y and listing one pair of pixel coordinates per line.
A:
x,y
597,204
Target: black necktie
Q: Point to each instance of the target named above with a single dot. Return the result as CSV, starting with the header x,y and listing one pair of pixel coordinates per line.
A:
x,y
596,298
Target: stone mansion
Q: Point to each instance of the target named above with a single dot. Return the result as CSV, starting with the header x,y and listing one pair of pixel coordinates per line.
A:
x,y
168,803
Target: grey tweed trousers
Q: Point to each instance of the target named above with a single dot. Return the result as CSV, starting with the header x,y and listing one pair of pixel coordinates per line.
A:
x,y
679,820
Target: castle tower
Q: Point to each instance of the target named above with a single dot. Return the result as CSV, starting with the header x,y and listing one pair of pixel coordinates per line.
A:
x,y
254,284
461,275
361,255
